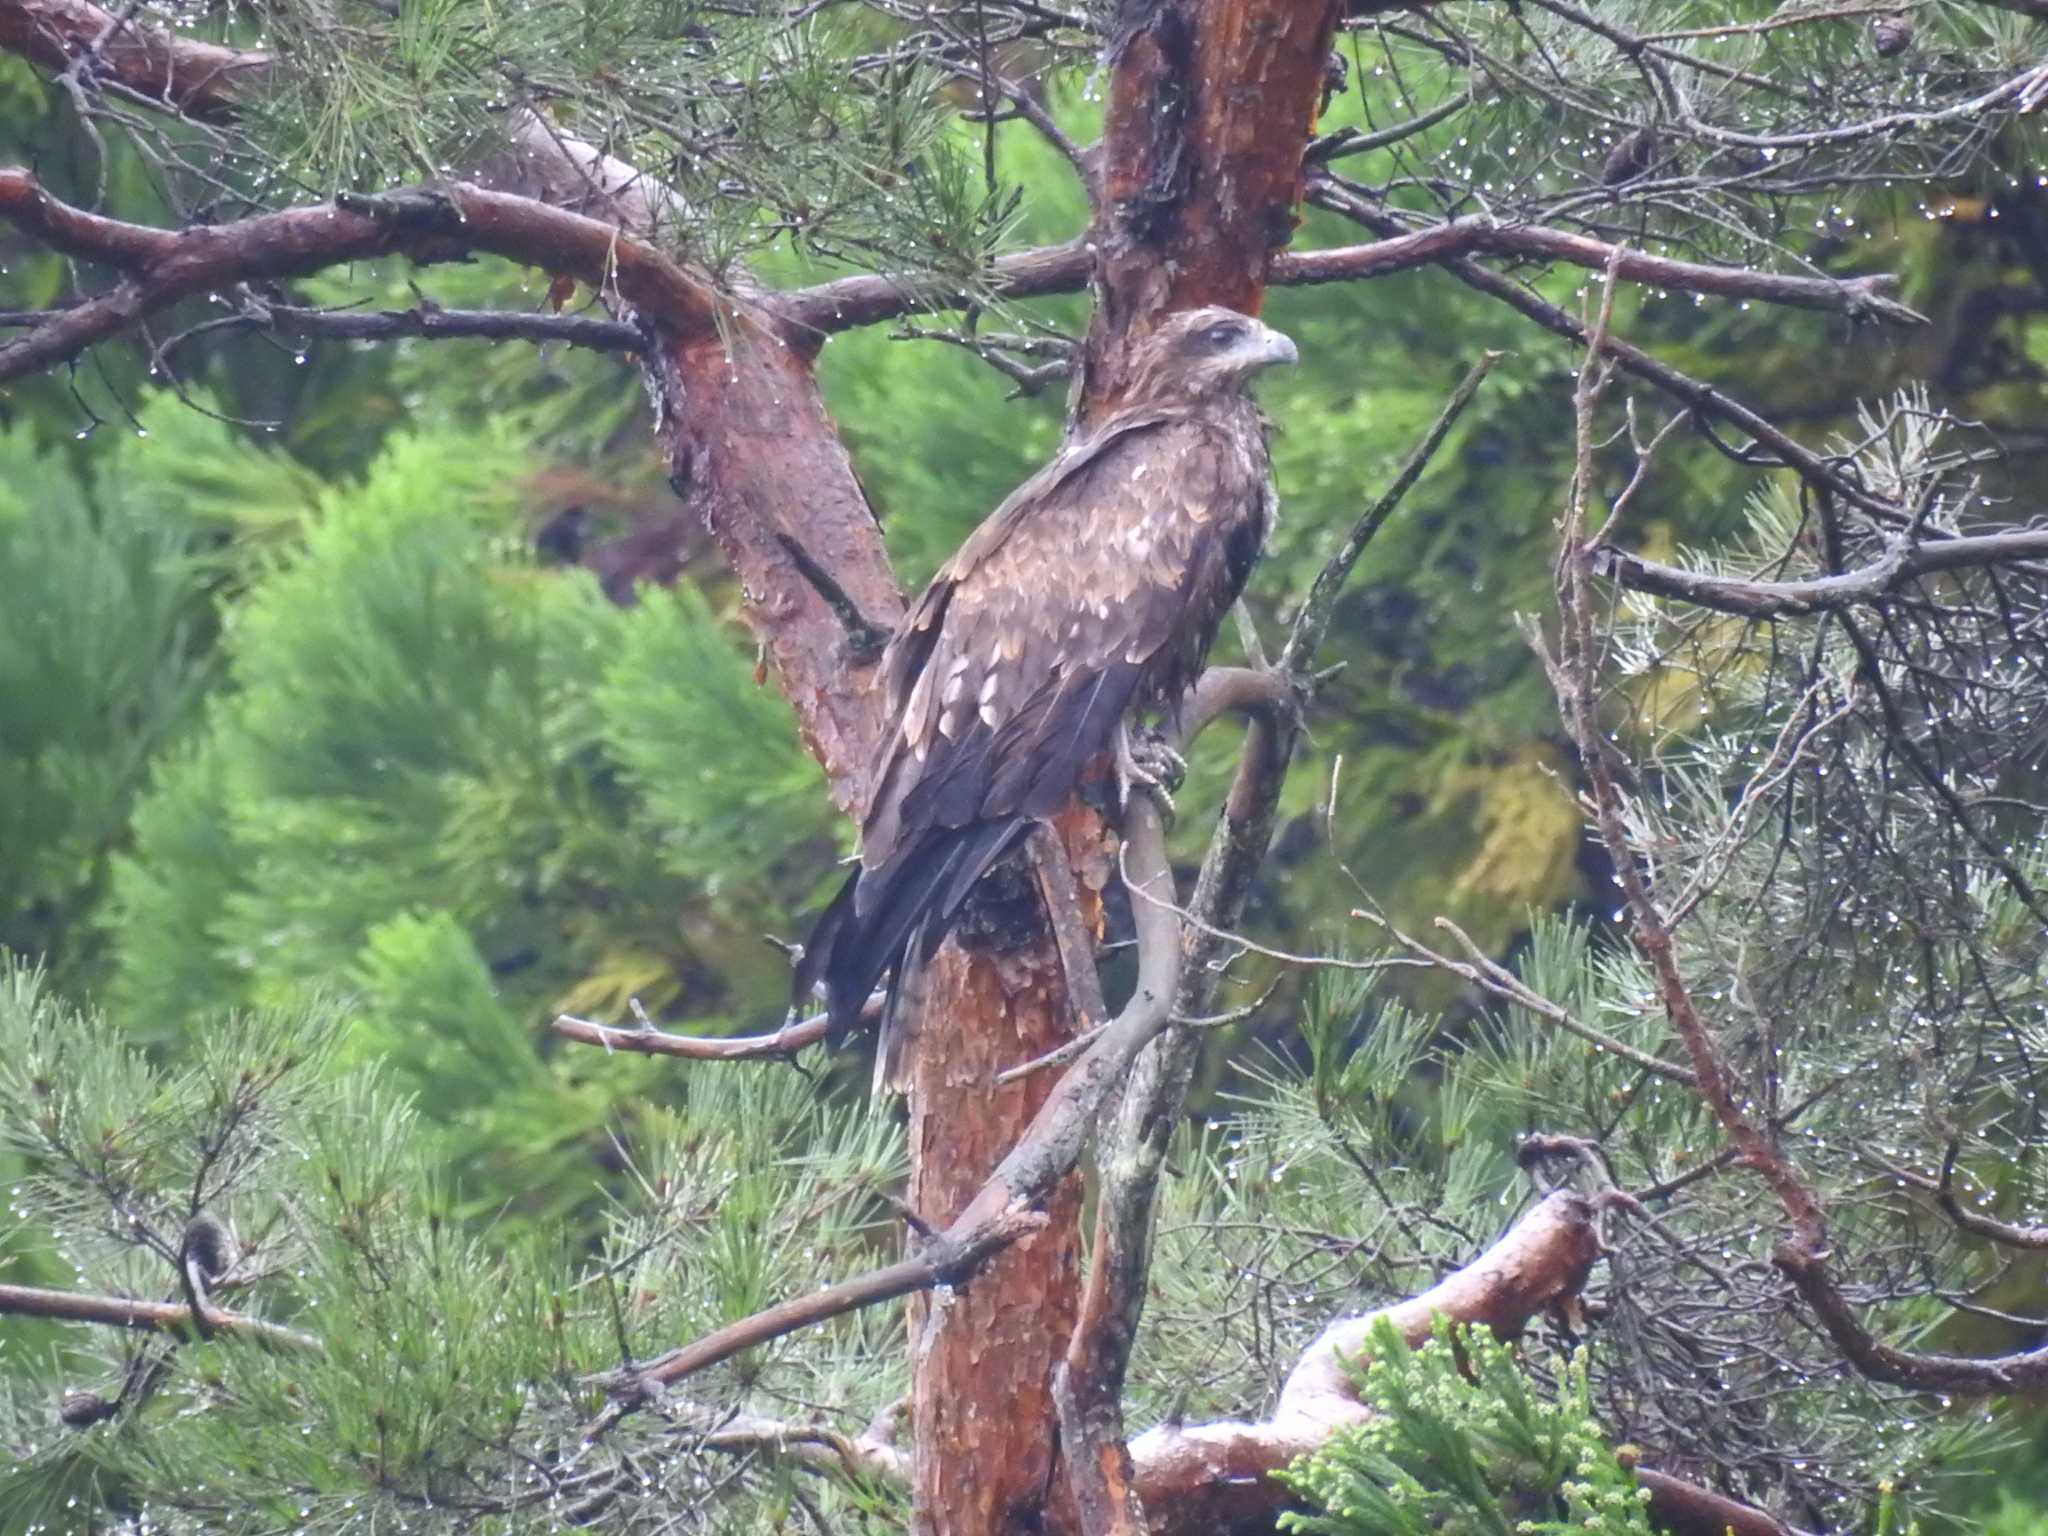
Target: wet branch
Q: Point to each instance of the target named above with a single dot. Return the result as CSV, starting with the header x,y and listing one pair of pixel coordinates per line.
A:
x,y
146,1316
1903,561
162,267
1802,1255
194,79
850,302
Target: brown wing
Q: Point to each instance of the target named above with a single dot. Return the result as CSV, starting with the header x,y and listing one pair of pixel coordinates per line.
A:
x,y
1095,586
1031,645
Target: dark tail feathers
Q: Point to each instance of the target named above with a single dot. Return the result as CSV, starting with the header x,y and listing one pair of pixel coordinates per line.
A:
x,y
866,929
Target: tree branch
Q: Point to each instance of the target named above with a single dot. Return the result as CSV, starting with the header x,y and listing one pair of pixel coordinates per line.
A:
x,y
1859,297
1802,1255
781,1043
1904,560
146,1316
1312,618
424,320
195,79
1004,1210
1218,1478
850,302
1707,402
166,266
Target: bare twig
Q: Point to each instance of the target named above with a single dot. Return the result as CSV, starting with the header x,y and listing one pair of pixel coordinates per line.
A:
x,y
781,1043
1312,620
164,267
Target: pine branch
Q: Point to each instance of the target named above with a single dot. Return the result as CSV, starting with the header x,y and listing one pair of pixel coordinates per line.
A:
x,y
146,1316
195,79
164,266
1903,561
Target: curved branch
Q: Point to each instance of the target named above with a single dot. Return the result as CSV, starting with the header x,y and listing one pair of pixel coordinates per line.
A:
x,y
850,302
1707,402
2007,1234
1219,1477
165,266
1903,561
1863,297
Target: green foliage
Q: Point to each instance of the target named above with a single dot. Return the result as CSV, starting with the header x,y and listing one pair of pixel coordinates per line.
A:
x,y
107,612
470,790
1462,1441
434,1372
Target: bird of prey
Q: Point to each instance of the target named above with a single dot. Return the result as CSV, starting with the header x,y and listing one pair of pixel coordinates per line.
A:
x,y
1087,599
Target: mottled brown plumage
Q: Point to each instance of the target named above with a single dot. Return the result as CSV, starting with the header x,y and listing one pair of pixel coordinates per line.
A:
x,y
1089,596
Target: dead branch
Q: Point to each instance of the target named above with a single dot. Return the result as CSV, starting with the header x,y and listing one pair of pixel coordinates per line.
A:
x,y
1903,561
1859,297
809,1445
1707,402
146,1316
1312,618
1574,671
1686,1509
1802,1255
1212,1478
2007,1234
432,323
1482,971
1218,1478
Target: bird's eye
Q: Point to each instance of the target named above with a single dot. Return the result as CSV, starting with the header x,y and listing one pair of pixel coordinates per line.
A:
x,y
1222,334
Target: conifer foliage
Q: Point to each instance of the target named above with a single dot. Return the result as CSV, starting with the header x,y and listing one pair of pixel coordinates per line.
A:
x,y
1576,1065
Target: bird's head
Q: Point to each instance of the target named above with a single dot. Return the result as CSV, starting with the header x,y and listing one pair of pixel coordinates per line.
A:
x,y
1207,352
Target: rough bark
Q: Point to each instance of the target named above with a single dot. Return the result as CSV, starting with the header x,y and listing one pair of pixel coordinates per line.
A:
x,y
1211,105
751,451
198,80
1210,110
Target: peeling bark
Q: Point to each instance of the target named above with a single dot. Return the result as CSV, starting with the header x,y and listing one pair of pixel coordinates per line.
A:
x,y
984,1356
751,450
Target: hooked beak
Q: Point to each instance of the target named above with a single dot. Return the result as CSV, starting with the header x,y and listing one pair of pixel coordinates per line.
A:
x,y
1277,347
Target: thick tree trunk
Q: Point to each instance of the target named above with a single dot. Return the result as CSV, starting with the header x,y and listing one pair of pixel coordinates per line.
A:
x,y
1211,106
983,1355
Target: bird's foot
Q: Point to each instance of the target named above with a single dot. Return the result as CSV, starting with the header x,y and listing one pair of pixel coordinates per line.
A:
x,y
1145,761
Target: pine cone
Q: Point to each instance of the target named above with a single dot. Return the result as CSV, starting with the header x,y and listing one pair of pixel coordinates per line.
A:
x,y
1891,35
82,1410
